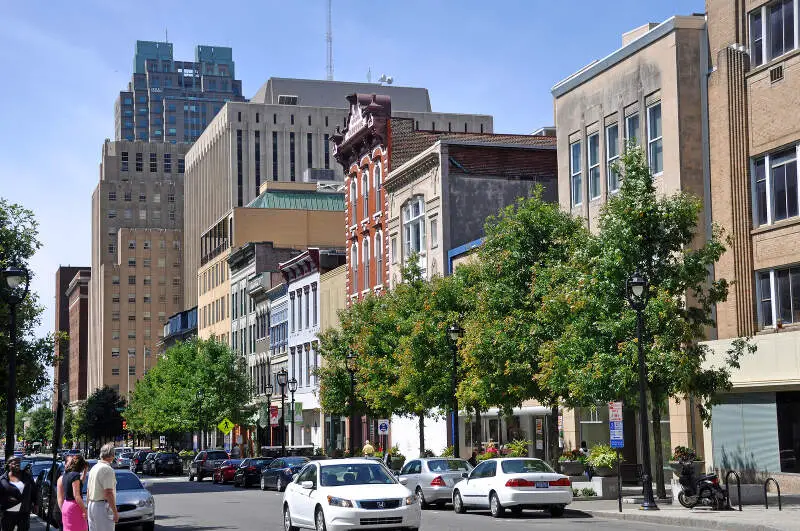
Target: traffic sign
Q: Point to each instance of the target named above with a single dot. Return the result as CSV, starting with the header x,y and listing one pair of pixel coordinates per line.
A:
x,y
162,440
383,426
615,411
617,438
124,424
225,426
273,415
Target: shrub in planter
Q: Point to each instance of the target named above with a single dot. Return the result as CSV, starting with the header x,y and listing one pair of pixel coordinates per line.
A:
x,y
518,448
588,492
448,452
603,459
572,463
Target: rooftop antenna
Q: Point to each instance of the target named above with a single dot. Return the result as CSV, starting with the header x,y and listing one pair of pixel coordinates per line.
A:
x,y
329,42
386,79
166,35
369,75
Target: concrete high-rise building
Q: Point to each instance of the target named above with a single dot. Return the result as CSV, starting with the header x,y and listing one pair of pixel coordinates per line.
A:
x,y
61,370
173,101
136,281
283,131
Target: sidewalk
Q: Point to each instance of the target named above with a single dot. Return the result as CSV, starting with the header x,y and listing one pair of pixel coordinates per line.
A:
x,y
752,517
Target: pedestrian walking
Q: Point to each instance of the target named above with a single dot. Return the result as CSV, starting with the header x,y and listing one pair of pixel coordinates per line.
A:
x,y
101,492
368,449
18,495
73,510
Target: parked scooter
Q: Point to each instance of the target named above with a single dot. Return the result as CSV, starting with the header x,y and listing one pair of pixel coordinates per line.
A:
x,y
700,490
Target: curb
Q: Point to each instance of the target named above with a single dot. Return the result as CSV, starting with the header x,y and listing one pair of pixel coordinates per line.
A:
x,y
680,521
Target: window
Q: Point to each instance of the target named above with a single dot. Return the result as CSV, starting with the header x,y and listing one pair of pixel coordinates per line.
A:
x,y
353,195
127,196
131,262
778,292
377,184
612,154
112,195
142,214
291,155
315,310
414,226
239,170
132,370
772,31
366,260
124,161
594,165
132,280
115,352
575,172
115,371
378,258
139,162
142,197
115,280
274,155
257,149
310,147
756,38
167,163
654,141
775,187
632,128
354,266
181,165
365,192
156,198
393,250
112,214
434,232
327,148
153,162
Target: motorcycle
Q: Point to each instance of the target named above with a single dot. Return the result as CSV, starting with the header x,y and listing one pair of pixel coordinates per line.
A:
x,y
702,490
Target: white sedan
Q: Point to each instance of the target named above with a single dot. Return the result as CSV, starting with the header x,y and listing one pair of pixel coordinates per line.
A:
x,y
513,483
345,494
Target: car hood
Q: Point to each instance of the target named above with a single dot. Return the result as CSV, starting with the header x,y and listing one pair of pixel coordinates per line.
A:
x,y
132,496
368,492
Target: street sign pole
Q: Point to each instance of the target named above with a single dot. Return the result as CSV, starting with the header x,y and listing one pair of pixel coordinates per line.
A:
x,y
617,441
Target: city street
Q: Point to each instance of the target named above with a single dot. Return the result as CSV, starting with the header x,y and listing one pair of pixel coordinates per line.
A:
x,y
205,506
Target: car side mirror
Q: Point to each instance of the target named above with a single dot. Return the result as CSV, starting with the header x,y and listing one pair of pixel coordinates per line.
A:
x,y
146,484
396,473
465,475
404,481
294,477
307,485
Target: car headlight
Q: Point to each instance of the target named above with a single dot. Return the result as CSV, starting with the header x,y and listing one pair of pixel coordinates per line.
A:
x,y
409,500
147,502
339,502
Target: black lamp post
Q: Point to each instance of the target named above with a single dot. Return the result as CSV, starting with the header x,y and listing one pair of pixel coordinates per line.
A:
x,y
17,282
268,392
636,290
292,390
282,378
455,332
199,395
351,369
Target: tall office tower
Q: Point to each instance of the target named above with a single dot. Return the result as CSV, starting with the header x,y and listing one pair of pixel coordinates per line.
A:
x,y
173,101
137,220
62,367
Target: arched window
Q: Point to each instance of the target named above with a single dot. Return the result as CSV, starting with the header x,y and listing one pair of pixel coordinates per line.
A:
x,y
378,258
354,266
377,185
366,261
414,226
365,191
353,197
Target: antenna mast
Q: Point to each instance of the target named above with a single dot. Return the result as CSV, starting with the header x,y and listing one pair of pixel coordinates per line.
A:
x,y
329,42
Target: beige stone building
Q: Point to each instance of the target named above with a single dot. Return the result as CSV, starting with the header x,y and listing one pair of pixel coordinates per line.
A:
x,y
137,259
650,93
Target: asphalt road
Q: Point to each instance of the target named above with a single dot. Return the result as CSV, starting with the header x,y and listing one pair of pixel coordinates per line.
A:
x,y
181,505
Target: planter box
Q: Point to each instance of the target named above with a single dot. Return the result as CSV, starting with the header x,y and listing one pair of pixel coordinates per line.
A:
x,y
571,468
605,471
605,487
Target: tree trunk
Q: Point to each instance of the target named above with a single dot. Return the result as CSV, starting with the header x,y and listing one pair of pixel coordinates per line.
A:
x,y
422,434
553,437
477,432
661,491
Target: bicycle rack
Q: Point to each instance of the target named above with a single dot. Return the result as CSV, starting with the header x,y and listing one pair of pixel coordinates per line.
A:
x,y
766,499
738,489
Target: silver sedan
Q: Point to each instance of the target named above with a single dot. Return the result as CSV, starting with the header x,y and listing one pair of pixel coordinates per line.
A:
x,y
431,479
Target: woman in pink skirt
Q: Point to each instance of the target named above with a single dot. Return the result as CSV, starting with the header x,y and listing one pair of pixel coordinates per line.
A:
x,y
73,510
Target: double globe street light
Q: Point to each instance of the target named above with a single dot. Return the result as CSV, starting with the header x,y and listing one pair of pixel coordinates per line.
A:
x,y
292,390
455,332
636,291
282,378
17,282
268,391
351,366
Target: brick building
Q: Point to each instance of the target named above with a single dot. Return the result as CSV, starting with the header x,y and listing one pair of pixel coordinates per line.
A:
x,y
65,276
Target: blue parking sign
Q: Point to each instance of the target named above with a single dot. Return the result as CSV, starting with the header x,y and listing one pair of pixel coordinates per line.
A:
x,y
617,438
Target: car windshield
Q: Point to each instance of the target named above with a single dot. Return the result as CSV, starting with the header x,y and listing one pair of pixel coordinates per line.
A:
x,y
448,465
219,454
522,466
355,474
128,482
168,456
295,461
126,456
232,462
260,462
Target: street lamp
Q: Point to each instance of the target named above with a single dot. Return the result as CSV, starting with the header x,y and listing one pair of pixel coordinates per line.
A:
x,y
200,395
351,369
292,389
269,391
636,290
17,282
282,377
455,332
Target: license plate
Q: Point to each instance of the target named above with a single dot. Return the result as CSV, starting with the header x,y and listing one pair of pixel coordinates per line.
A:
x,y
542,485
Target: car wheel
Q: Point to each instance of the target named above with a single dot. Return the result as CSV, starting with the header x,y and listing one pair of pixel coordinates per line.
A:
x,y
191,476
421,499
148,526
214,479
458,504
279,485
263,483
556,511
495,508
319,520
287,520
199,477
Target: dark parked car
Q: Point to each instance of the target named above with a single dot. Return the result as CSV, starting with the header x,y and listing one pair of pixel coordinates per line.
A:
x,y
205,462
43,480
249,471
279,472
225,471
162,463
138,460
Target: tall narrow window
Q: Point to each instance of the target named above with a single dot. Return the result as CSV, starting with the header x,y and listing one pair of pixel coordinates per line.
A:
x,y
315,310
239,169
353,198
310,148
167,163
257,148
761,202
124,161
655,148
307,310
414,226
756,38
784,184
780,31
181,165
274,155
365,254
365,192
327,149
612,155
575,173
632,129
291,157
378,184
594,166
139,162
378,258
153,162
354,267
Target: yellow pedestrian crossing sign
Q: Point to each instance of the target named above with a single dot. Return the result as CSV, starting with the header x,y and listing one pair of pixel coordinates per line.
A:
x,y
225,426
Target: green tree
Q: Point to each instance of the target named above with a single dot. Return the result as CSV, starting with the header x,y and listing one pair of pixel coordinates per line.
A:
x,y
19,241
593,358
69,426
41,425
166,401
102,414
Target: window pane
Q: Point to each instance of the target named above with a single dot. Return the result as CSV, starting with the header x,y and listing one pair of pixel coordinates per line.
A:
x,y
656,157
755,38
633,128
788,25
655,121
594,166
796,294
784,295
766,299
575,171
791,189
761,191
779,191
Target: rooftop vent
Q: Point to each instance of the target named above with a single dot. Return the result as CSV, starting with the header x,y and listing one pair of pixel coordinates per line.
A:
x,y
287,99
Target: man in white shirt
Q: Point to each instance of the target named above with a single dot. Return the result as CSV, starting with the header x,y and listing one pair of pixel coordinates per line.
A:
x,y
101,492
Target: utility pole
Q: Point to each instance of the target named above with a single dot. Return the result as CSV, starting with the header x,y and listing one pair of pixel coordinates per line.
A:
x,y
329,43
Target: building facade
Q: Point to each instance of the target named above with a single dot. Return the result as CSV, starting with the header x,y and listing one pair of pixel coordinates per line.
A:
x,y
333,297
78,295
753,87
137,254
181,326
282,132
61,368
173,101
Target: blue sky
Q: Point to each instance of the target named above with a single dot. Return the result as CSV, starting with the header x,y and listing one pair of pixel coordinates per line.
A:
x,y
65,62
